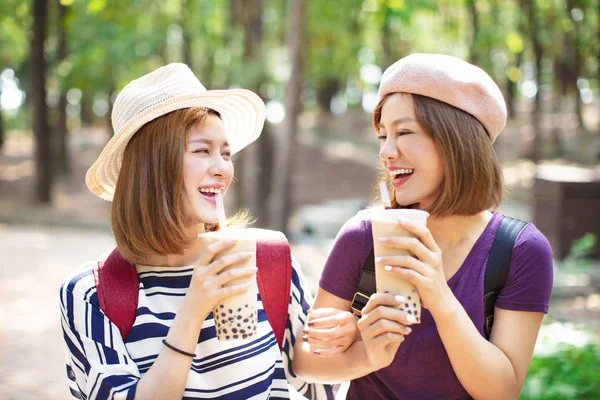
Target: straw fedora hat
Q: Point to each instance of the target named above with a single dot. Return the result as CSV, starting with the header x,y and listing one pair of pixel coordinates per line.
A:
x,y
169,88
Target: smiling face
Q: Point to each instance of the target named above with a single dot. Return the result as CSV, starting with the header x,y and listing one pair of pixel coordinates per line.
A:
x,y
409,154
207,167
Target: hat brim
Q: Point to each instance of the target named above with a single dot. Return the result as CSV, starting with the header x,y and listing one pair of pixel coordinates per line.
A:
x,y
242,111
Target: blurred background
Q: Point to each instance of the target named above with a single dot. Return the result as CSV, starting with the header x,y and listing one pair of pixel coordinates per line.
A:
x,y
317,65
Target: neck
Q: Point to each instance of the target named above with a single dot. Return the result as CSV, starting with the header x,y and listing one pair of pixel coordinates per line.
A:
x,y
190,254
452,231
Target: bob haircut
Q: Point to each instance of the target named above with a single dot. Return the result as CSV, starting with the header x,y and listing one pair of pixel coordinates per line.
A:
x,y
473,180
151,213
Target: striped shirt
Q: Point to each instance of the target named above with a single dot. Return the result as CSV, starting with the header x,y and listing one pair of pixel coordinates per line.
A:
x,y
101,366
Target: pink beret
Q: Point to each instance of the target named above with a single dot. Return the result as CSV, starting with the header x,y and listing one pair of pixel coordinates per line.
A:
x,y
451,80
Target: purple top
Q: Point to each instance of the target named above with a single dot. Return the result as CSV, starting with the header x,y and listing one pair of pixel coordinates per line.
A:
x,y
421,368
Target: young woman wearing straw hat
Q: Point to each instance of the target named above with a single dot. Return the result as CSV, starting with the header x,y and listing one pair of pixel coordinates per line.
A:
x,y
436,120
169,157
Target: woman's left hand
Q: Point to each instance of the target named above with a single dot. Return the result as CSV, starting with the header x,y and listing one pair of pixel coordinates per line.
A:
x,y
422,266
330,331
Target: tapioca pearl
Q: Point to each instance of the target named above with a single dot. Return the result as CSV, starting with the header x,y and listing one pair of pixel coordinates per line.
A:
x,y
234,330
414,290
245,319
239,309
415,305
223,314
236,336
227,337
408,297
244,336
408,311
246,306
230,311
239,317
224,330
242,331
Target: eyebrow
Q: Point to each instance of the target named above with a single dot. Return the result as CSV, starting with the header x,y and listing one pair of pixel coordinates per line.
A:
x,y
207,141
399,121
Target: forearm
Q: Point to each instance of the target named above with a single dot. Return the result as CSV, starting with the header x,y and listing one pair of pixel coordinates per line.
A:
x,y
167,377
481,367
351,364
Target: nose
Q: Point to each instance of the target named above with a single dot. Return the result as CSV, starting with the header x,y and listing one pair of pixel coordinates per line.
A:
x,y
389,149
221,167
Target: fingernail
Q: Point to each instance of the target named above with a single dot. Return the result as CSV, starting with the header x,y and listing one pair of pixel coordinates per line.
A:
x,y
411,319
388,267
311,324
383,239
317,352
247,253
304,330
378,259
305,337
408,330
400,299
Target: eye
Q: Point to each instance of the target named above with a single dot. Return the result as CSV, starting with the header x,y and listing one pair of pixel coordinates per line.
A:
x,y
382,136
205,151
404,132
226,154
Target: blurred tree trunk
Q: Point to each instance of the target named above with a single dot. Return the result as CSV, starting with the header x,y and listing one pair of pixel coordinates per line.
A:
x,y
1,124
62,133
41,130
326,89
249,161
386,37
529,9
473,53
285,156
577,59
111,89
87,113
186,12
511,89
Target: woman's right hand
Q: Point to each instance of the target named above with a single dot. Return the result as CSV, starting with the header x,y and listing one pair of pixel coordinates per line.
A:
x,y
383,328
210,280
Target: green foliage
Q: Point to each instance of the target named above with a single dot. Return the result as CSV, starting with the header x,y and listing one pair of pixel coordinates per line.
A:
x,y
578,259
570,373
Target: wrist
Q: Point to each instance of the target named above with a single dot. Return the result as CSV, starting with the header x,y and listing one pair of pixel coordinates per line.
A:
x,y
447,309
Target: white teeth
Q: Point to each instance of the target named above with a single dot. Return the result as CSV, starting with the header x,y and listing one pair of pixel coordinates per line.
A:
x,y
209,190
402,171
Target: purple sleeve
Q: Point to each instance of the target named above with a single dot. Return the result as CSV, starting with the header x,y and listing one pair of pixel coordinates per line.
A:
x,y
346,258
529,284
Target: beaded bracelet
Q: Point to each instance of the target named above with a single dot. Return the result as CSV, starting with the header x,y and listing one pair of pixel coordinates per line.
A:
x,y
175,349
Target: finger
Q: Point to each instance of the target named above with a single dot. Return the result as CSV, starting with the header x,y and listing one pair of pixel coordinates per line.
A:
x,y
228,260
412,244
408,274
323,312
224,292
385,325
225,277
330,333
325,343
339,319
330,352
405,261
383,299
213,249
421,232
383,313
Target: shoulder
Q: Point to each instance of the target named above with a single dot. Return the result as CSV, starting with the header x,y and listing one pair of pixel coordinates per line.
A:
x,y
531,243
80,283
356,228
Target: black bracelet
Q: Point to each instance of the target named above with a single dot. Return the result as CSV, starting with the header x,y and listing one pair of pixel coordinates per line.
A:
x,y
185,353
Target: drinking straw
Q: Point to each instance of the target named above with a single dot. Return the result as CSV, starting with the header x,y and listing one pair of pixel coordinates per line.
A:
x,y
385,194
221,210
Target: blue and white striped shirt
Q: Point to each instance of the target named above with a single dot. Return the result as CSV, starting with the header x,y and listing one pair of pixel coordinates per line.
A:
x,y
101,366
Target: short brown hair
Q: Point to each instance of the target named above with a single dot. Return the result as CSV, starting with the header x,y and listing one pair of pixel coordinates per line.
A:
x,y
151,213
473,180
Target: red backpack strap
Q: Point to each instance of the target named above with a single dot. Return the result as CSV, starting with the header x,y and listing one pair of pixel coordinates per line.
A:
x,y
274,279
117,287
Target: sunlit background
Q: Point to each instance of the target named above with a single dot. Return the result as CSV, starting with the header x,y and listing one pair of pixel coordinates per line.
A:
x,y
317,65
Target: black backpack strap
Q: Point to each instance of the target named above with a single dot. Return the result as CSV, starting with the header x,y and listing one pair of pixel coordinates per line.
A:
x,y
365,286
498,265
